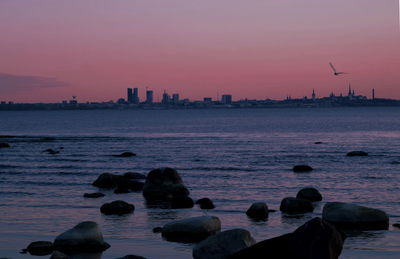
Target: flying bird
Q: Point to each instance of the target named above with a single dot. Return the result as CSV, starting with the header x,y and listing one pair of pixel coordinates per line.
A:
x,y
334,70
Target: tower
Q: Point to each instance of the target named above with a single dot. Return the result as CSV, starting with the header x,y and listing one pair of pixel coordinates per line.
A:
x,y
373,93
135,98
313,95
130,95
149,96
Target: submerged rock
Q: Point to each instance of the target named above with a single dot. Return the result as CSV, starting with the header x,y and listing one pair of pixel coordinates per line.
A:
x,y
84,237
191,229
93,195
51,151
315,239
39,248
351,216
310,194
4,145
296,206
357,153
302,168
125,154
318,143
117,208
223,245
164,184
205,204
258,210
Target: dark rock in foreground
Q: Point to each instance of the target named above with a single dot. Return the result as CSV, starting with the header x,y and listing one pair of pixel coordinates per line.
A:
x,y
4,145
125,154
302,168
164,184
117,208
316,239
84,237
39,248
296,206
93,195
310,194
351,216
258,210
132,257
357,153
191,229
223,245
205,204
182,202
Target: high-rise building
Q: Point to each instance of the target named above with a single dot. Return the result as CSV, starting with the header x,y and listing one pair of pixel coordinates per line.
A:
x,y
207,99
130,95
165,98
226,99
175,98
373,93
149,96
313,94
135,96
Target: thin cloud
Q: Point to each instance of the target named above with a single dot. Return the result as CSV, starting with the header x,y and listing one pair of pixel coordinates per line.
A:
x,y
14,83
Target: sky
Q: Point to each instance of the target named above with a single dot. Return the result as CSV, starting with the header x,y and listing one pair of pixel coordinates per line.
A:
x,y
255,49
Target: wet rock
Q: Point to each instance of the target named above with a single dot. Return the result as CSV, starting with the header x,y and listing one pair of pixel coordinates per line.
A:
x,y
182,202
223,245
205,204
315,239
59,255
357,153
51,151
134,176
164,184
84,237
351,216
131,257
191,229
302,168
93,195
117,208
4,145
39,248
125,154
157,230
318,143
258,210
130,185
310,194
106,180
296,206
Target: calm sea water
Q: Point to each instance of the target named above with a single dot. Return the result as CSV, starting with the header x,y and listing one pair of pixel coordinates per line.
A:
x,y
233,156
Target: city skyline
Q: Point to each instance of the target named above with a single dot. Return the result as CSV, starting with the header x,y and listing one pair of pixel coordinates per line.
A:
x,y
256,50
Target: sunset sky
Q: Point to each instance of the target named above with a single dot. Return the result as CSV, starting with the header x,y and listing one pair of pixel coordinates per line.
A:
x,y
95,49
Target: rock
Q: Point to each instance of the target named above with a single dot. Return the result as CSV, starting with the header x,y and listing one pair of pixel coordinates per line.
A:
x,y
296,206
357,153
84,237
302,168
258,210
182,202
93,195
131,257
130,185
191,229
205,204
164,184
117,208
396,225
51,151
351,216
125,154
134,176
39,248
157,230
223,245
4,145
318,143
310,194
315,239
106,180
59,255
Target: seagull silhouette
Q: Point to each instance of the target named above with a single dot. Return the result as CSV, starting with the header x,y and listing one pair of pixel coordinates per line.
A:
x,y
334,70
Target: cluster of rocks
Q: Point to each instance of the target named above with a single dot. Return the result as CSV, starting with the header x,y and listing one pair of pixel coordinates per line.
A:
x,y
128,182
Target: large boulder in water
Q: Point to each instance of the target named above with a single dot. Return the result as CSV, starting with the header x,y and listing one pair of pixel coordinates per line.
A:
x,y
106,180
296,206
351,216
258,210
315,239
39,248
357,153
111,181
205,204
84,237
309,193
182,202
302,168
164,184
223,245
117,208
191,229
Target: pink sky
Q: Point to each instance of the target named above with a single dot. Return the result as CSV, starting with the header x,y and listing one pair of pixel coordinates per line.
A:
x,y
95,49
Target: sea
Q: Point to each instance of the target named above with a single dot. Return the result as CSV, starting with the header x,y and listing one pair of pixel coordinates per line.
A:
x,y
233,156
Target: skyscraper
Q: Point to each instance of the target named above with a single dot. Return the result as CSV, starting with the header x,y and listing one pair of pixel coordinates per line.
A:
x,y
165,98
149,96
175,98
135,96
226,99
130,95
